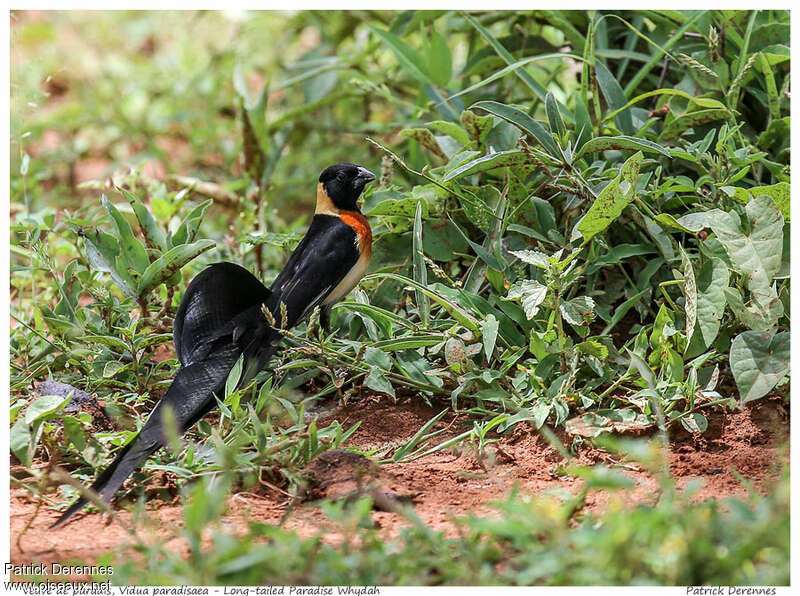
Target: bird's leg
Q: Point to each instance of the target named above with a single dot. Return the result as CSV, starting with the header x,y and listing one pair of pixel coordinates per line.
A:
x,y
325,318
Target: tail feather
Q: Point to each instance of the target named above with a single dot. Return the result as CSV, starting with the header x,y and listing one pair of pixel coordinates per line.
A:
x,y
111,479
191,396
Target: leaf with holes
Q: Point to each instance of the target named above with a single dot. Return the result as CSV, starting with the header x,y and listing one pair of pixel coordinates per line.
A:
x,y
612,199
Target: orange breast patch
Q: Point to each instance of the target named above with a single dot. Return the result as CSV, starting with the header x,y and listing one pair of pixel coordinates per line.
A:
x,y
358,222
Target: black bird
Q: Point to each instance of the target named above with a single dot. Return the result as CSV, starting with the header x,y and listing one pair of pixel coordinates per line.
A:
x,y
220,318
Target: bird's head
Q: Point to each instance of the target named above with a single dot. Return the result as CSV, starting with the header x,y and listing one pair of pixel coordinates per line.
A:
x,y
341,185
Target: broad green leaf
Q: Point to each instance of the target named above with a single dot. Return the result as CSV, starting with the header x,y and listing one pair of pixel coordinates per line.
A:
x,y
377,381
410,59
451,129
113,367
531,293
393,203
612,199
234,376
130,247
44,406
152,231
578,311
102,251
615,97
761,313
712,280
756,252
621,142
476,127
553,115
758,361
425,138
489,327
592,348
440,62
19,439
684,122
171,262
695,422
703,102
780,193
691,223
442,240
532,257
488,162
524,122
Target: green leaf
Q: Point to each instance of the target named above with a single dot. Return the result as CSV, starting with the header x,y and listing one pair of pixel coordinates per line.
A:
x,y
592,348
758,361
171,262
451,129
234,376
152,231
131,249
43,407
531,293
712,281
377,381
684,122
615,97
761,313
757,252
102,251
525,76
695,422
553,115
488,162
419,269
690,291
489,327
112,367
524,122
780,193
532,257
440,61
408,57
578,311
621,142
612,199
393,203
19,439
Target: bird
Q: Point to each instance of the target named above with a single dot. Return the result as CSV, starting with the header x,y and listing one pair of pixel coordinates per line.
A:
x,y
222,317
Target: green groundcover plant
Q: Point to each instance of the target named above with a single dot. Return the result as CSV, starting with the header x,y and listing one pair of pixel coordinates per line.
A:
x,y
582,221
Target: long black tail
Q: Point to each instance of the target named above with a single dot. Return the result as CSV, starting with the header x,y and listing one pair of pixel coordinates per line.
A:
x,y
218,321
108,483
190,397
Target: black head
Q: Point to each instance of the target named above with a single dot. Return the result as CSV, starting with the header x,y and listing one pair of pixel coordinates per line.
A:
x,y
344,182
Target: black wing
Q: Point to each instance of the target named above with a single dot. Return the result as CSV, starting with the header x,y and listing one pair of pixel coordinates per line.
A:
x,y
320,262
214,298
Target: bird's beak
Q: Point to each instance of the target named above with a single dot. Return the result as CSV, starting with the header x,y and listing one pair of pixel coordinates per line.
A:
x,y
365,175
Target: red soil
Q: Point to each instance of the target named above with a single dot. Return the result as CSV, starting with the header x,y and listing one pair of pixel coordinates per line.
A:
x,y
451,483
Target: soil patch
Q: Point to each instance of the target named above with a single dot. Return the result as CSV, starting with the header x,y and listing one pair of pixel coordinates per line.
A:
x,y
451,483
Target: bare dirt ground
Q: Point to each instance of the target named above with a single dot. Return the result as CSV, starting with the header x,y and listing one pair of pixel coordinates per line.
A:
x,y
448,484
